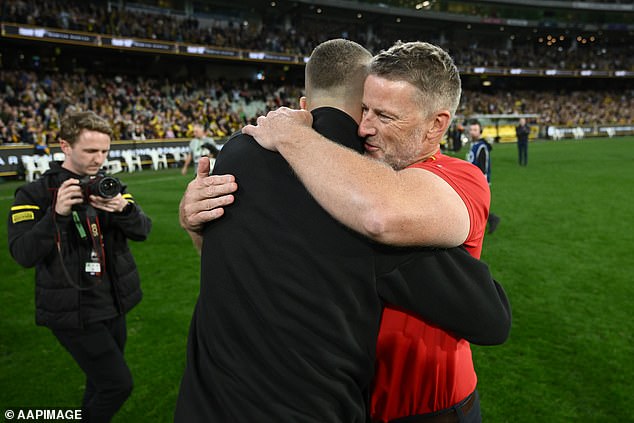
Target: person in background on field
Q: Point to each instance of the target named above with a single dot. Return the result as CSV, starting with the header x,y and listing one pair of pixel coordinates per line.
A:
x,y
480,155
86,280
522,131
197,147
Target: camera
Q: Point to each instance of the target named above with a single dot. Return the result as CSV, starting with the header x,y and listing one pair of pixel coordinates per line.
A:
x,y
100,185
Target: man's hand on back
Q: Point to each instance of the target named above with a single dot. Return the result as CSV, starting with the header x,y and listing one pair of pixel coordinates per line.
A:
x,y
205,198
279,126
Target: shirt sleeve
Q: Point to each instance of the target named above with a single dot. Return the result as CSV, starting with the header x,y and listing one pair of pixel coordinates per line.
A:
x,y
471,185
445,287
31,228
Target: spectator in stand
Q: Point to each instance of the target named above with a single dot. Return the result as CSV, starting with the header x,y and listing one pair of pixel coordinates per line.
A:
x,y
179,103
5,137
139,133
41,147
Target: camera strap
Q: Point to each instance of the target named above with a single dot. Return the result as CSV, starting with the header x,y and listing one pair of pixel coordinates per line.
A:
x,y
96,263
78,225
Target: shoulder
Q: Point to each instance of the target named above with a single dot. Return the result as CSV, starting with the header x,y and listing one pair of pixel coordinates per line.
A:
x,y
241,149
453,170
238,140
37,191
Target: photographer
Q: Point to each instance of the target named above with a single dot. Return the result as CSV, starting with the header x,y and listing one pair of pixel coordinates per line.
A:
x,y
73,225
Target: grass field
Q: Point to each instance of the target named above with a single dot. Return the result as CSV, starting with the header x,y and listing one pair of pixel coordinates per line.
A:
x,y
562,252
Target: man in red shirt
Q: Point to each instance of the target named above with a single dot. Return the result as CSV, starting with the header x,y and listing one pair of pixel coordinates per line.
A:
x,y
411,195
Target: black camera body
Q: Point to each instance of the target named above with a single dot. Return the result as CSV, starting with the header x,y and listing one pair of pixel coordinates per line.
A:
x,y
100,185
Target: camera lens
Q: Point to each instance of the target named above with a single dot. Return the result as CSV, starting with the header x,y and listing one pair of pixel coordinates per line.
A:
x,y
109,187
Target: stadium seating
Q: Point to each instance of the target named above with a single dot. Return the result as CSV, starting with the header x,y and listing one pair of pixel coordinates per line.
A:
x,y
167,107
158,159
34,167
112,166
132,161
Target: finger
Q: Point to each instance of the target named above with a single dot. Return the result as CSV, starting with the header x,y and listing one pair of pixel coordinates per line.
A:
x,y
209,215
195,220
203,167
69,182
67,186
218,190
219,179
224,200
283,110
249,130
208,205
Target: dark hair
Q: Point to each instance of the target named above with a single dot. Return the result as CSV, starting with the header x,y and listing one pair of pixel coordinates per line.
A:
x,y
475,122
74,123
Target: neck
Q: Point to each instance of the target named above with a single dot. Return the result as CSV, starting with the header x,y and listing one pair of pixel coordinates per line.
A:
x,y
354,110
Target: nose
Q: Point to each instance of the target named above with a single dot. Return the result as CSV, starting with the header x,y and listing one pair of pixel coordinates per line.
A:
x,y
101,157
366,128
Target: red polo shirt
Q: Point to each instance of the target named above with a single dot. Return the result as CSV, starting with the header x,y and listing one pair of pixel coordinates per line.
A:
x,y
421,368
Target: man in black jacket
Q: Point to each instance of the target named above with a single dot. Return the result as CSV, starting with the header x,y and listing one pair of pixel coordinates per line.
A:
x,y
522,131
290,300
73,226
480,155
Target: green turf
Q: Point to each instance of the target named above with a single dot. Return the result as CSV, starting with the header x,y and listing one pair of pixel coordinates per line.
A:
x,y
561,251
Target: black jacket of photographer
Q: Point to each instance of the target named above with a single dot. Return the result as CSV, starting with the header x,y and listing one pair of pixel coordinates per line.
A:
x,y
34,229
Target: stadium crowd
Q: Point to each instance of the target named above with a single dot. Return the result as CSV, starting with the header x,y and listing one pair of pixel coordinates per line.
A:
x,y
147,108
138,108
297,33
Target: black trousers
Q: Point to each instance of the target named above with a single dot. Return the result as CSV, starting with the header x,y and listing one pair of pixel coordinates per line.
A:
x,y
98,350
522,149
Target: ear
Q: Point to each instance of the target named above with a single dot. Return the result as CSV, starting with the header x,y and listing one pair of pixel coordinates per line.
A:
x,y
302,102
65,146
442,120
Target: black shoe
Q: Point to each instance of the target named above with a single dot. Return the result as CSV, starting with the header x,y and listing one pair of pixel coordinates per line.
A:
x,y
494,221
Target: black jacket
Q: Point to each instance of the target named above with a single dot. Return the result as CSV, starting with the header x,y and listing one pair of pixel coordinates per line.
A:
x,y
285,326
33,229
522,132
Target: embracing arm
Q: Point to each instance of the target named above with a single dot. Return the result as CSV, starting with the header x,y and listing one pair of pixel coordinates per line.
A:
x,y
407,207
448,288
